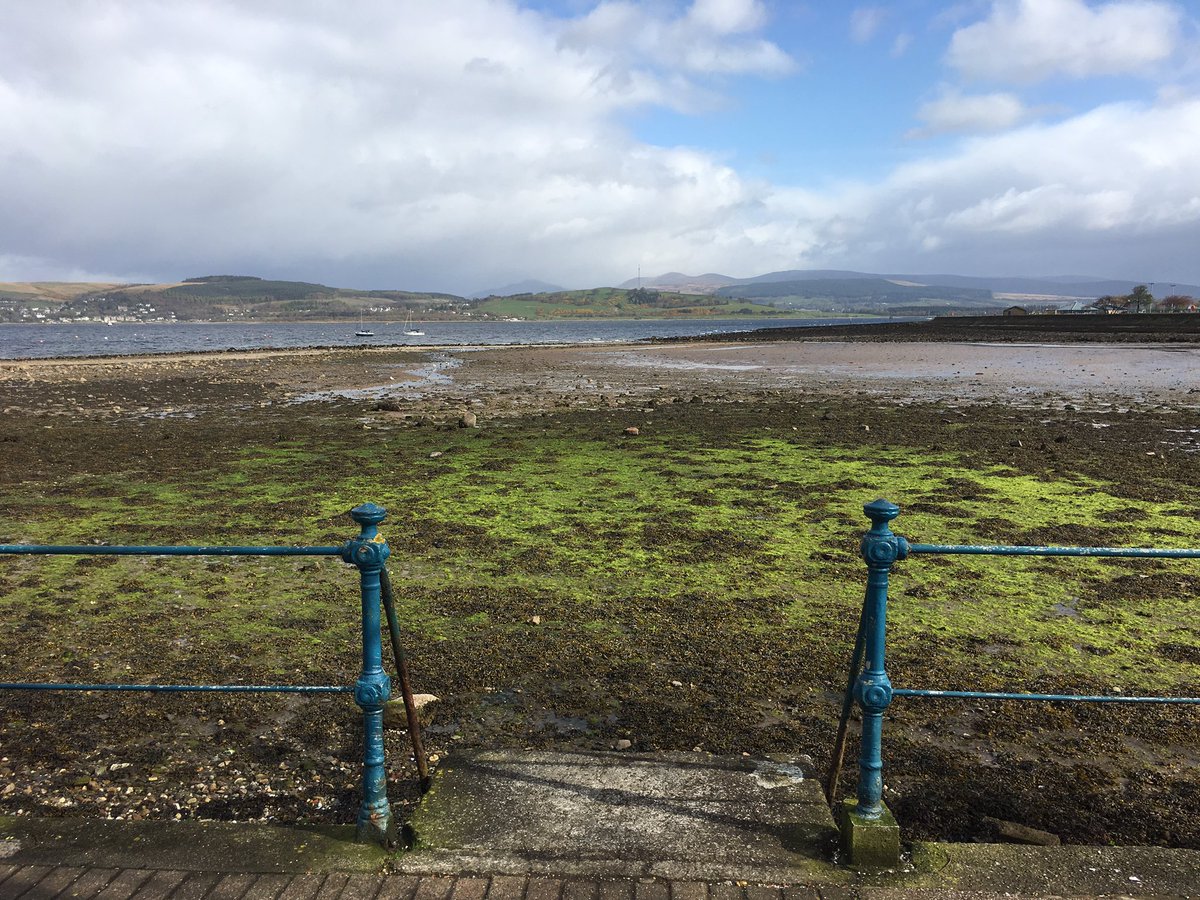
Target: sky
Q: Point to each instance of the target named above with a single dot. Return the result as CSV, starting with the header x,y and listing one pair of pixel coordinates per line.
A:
x,y
461,145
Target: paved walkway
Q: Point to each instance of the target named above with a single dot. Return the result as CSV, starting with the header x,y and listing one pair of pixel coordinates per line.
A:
x,y
74,883
501,825
46,882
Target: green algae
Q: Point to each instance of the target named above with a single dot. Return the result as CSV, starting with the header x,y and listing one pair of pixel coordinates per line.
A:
x,y
583,528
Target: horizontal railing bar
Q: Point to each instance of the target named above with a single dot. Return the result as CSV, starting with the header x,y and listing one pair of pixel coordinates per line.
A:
x,y
1005,550
114,550
1077,698
180,688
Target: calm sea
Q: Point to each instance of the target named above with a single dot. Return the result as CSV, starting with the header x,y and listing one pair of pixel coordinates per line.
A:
x,y
42,341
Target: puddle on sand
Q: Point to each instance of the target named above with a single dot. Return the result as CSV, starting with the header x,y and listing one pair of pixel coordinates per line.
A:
x,y
1189,444
650,362
422,377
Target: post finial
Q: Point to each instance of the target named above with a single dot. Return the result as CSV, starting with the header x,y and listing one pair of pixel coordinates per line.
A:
x,y
368,514
881,511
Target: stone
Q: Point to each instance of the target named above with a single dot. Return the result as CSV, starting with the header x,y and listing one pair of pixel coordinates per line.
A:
x,y
1016,833
623,744
394,715
388,406
872,844
468,420
435,454
633,430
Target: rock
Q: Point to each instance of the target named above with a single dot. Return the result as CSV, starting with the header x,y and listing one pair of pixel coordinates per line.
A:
x,y
677,684
1015,833
623,744
387,406
535,620
394,715
632,429
435,454
468,420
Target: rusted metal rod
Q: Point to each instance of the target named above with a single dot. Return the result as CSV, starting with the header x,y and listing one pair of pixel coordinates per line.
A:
x,y
839,744
410,706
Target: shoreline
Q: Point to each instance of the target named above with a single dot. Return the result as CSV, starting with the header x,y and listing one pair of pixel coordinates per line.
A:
x,y
439,384
550,561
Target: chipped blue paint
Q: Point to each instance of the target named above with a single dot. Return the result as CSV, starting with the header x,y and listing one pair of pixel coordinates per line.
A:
x,y
1053,698
183,688
1004,550
369,551
881,549
114,550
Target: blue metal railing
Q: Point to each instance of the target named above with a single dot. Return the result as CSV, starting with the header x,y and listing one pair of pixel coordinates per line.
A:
x,y
868,683
368,551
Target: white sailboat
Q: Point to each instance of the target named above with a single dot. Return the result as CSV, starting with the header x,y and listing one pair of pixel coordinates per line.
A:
x,y
363,330
410,328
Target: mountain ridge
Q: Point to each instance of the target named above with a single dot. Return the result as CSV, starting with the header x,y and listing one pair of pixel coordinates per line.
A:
x,y
1067,287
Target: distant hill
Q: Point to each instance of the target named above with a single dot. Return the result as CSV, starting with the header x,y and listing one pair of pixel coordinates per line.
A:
x,y
528,286
685,284
962,292
207,298
788,292
861,295
600,303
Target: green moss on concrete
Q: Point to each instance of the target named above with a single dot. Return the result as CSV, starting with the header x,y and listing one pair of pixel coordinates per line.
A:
x,y
870,844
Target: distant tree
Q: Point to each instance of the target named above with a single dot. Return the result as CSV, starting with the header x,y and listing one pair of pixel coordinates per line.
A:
x,y
1178,303
643,296
1141,298
1109,302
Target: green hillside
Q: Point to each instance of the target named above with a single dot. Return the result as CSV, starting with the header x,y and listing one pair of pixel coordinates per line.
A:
x,y
862,294
210,298
638,303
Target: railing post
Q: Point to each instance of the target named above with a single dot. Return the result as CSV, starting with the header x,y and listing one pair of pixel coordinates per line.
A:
x,y
869,832
369,551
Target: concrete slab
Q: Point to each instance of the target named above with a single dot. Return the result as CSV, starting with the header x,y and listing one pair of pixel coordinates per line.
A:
x,y
1045,871
185,846
672,815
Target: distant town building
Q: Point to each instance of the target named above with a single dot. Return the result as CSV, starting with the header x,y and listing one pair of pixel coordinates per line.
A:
x,y
1016,311
1078,308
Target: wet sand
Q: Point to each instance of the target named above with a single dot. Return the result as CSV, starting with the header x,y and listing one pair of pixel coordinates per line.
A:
x,y
510,380
952,372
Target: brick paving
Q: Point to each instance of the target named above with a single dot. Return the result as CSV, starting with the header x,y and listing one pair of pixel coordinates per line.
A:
x,y
77,883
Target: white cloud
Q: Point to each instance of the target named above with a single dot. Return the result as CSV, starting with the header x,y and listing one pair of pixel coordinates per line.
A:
x,y
727,16
705,39
386,143
1116,189
865,22
953,111
1024,41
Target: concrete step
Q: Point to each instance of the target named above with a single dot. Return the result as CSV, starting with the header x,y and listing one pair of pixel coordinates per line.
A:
x,y
669,815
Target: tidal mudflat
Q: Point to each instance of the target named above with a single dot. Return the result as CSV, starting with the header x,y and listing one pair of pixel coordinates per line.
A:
x,y
564,583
